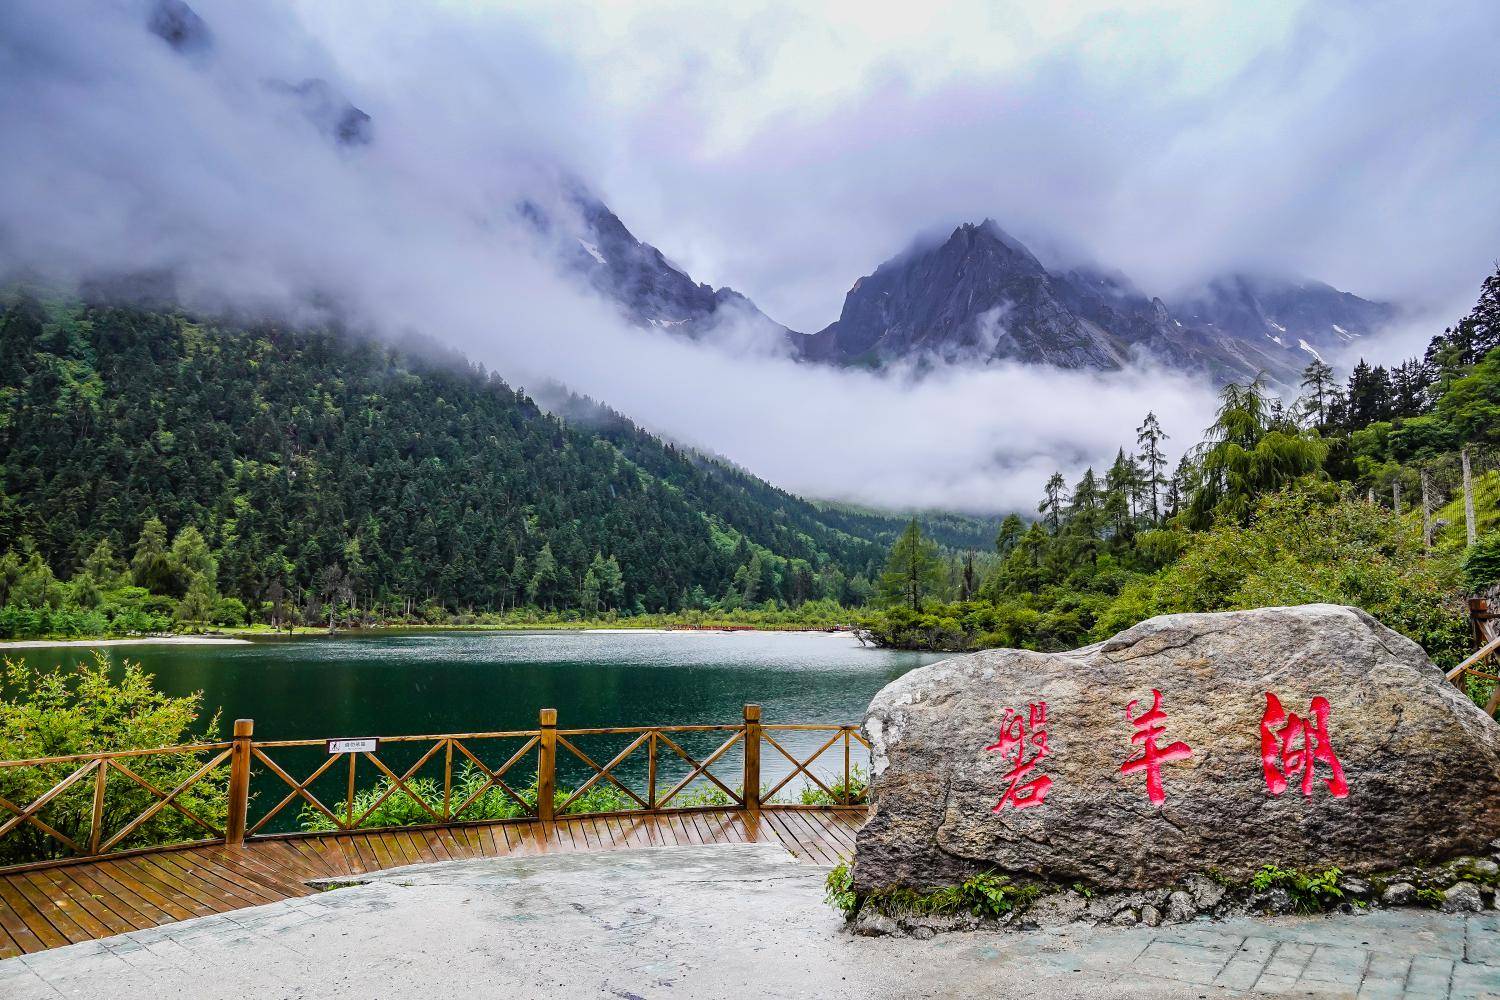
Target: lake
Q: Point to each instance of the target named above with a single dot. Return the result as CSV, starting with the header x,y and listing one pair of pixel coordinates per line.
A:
x,y
452,682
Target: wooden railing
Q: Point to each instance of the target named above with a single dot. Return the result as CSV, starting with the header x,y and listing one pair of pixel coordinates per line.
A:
x,y
246,788
1486,631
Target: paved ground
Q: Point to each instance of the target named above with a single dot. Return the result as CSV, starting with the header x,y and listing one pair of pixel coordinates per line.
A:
x,y
732,921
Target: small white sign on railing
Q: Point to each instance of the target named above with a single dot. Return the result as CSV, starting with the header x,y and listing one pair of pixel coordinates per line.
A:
x,y
365,745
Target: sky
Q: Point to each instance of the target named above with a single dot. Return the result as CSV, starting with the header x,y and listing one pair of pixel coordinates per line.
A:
x,y
784,149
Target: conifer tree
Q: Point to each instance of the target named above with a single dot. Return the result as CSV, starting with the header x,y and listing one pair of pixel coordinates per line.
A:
x,y
913,570
1149,437
151,567
1051,507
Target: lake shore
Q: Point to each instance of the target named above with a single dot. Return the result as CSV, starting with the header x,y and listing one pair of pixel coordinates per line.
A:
x,y
164,640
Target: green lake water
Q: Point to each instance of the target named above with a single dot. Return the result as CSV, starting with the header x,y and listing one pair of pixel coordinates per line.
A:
x,y
453,682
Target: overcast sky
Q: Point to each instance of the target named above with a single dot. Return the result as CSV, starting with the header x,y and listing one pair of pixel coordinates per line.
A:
x,y
783,149
788,148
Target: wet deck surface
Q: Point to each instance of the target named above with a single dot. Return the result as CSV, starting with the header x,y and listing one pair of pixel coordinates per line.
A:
x,y
69,904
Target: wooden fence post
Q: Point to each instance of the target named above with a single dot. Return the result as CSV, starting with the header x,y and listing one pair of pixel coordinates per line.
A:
x,y
752,757
546,765
239,782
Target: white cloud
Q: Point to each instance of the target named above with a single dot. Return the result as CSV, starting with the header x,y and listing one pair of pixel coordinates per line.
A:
x,y
737,150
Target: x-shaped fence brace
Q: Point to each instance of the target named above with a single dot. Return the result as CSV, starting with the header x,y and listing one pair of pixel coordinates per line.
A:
x,y
804,767
652,738
494,778
100,768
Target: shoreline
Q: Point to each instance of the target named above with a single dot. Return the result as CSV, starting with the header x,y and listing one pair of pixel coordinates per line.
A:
x,y
165,640
249,636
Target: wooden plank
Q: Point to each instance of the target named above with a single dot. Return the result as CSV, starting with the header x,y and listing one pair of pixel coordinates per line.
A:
x,y
14,923
96,906
67,902
245,868
8,946
35,918
223,882
188,886
123,902
381,850
64,915
163,901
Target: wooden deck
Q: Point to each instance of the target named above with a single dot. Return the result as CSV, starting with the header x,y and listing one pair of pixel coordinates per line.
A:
x,y
81,901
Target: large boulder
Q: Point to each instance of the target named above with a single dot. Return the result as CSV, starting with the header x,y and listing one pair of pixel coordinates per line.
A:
x,y
1248,699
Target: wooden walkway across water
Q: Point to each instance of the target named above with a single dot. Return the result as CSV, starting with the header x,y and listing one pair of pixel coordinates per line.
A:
x,y
76,901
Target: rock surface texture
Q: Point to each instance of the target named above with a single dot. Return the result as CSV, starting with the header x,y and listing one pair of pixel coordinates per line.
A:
x,y
1420,763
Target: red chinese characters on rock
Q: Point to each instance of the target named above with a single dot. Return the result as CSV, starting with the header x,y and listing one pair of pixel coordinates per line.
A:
x,y
1147,729
1016,731
1292,752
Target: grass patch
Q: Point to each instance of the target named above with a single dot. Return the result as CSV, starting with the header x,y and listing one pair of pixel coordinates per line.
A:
x,y
1311,892
987,894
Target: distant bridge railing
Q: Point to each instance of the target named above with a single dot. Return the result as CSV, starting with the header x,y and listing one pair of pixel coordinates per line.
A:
x,y
57,809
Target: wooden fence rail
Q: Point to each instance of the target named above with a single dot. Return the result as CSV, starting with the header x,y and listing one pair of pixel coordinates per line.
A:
x,y
1485,625
225,793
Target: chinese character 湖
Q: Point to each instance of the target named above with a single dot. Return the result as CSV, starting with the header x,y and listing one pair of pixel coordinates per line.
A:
x,y
1292,752
1152,757
1014,733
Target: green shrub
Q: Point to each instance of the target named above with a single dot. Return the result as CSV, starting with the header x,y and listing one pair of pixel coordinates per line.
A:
x,y
838,890
987,894
857,791
1311,892
402,809
1481,562
56,713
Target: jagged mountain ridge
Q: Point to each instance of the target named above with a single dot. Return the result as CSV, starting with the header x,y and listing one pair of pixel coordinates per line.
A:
x,y
981,296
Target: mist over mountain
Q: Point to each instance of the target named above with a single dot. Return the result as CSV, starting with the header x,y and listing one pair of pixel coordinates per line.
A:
x,y
369,168
981,297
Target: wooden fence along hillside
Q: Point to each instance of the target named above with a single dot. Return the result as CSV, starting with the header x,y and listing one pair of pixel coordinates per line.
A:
x,y
59,809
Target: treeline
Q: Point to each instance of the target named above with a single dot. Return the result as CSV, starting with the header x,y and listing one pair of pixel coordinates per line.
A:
x,y
1341,495
266,474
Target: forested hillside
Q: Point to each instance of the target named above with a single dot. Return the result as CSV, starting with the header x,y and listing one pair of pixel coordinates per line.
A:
x,y
162,466
1379,492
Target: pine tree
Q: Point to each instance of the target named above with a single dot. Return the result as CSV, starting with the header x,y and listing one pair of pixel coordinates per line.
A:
x,y
913,570
190,557
1051,507
1244,459
1011,530
151,567
103,568
198,603
1149,437
1317,379
1120,488
543,578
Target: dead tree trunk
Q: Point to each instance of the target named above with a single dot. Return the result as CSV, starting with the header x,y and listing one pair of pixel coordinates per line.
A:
x,y
1463,456
1426,511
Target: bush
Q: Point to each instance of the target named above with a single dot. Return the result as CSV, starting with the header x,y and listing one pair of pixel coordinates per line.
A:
x,y
401,809
987,894
57,713
1314,892
856,792
1301,549
1481,562
229,611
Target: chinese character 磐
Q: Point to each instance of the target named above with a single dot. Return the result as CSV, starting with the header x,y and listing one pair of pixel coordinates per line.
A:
x,y
1294,751
1152,757
1015,732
